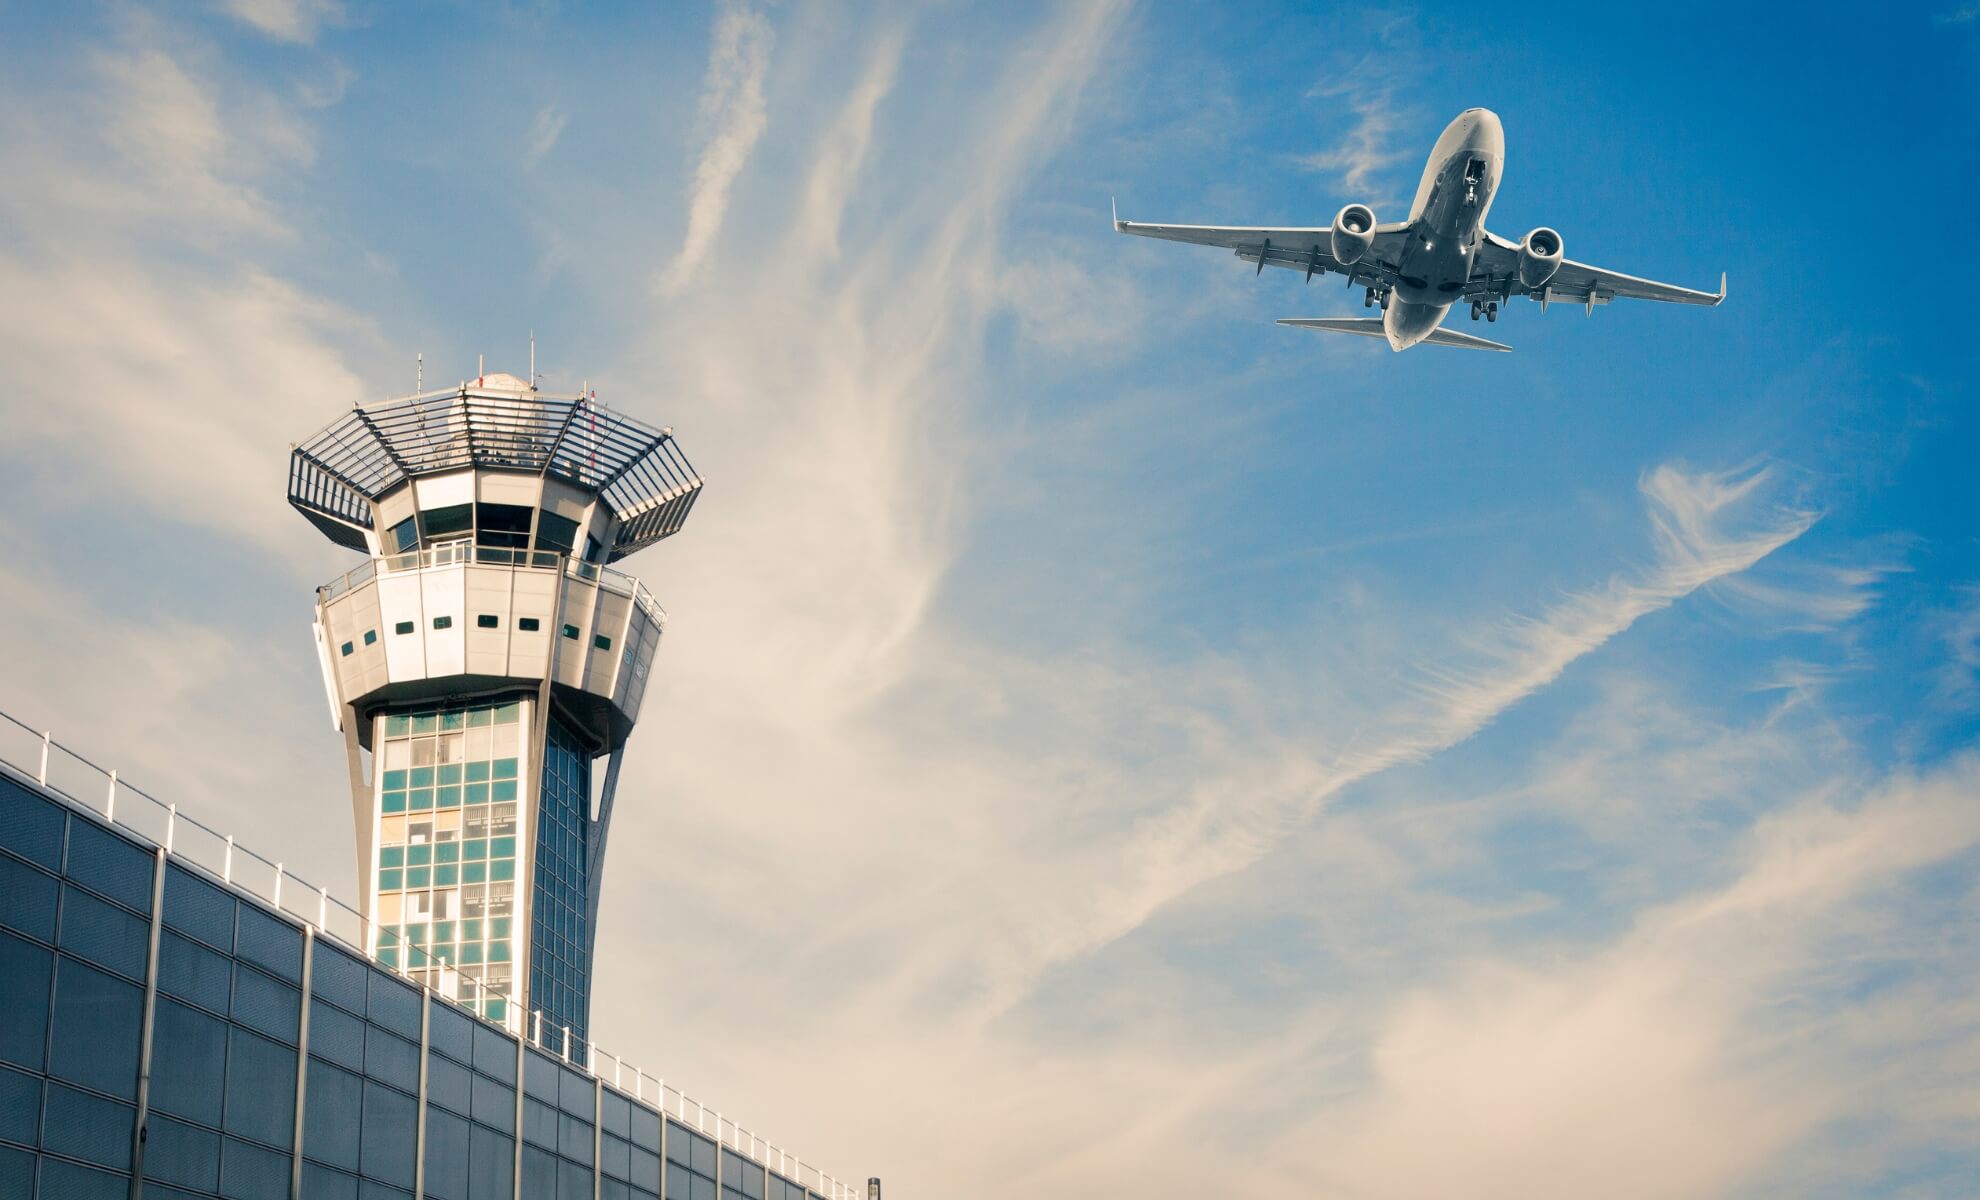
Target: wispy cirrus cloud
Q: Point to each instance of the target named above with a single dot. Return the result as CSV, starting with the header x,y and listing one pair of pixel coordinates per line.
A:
x,y
1370,147
129,317
1690,1053
286,20
1958,683
733,109
1263,889
544,131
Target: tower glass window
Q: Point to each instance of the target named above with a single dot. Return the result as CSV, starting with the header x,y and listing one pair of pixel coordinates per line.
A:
x,y
452,521
446,850
556,533
503,525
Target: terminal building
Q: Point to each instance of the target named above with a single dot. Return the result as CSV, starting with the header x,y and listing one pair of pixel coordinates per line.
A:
x,y
181,1017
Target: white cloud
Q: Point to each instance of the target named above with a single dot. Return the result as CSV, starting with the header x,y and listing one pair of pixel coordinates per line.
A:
x,y
910,891
128,323
1008,813
543,134
1958,683
1069,306
286,20
1370,146
732,105
842,149
1684,1060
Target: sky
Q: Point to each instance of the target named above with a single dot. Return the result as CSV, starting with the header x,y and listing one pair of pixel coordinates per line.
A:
x,y
1104,742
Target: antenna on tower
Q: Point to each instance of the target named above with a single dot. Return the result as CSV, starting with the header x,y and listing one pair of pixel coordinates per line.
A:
x,y
419,373
532,360
480,369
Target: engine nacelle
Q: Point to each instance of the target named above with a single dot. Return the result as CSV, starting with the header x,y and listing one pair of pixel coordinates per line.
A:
x,y
1354,233
1539,257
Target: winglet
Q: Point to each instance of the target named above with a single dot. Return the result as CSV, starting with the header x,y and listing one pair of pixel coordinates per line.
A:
x,y
1117,213
1722,290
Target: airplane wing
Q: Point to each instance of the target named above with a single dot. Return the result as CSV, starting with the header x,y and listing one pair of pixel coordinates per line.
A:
x,y
1296,249
1496,275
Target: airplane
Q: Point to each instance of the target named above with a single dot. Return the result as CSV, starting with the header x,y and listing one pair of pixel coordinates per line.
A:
x,y
1419,268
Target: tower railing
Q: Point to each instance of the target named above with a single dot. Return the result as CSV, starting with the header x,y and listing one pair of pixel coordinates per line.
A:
x,y
462,553
38,758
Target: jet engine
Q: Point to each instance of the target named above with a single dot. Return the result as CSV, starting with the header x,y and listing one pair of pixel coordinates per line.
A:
x,y
1354,233
1539,257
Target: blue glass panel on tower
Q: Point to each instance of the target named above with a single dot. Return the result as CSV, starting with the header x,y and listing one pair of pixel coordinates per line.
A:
x,y
560,970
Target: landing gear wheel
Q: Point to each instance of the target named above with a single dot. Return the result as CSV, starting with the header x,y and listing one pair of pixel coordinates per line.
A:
x,y
1385,302
1492,311
1368,299
1475,309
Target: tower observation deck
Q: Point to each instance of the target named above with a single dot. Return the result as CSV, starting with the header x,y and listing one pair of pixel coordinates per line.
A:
x,y
479,663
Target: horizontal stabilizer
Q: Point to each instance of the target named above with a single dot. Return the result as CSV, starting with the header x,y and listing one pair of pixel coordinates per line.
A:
x,y
1372,327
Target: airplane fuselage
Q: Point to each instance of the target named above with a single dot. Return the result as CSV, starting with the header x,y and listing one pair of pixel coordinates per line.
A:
x,y
1446,222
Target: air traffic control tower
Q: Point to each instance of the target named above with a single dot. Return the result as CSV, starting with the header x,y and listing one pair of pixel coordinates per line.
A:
x,y
479,664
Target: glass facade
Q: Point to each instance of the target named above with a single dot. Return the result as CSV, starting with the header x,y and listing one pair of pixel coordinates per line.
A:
x,y
282,1065
559,970
450,796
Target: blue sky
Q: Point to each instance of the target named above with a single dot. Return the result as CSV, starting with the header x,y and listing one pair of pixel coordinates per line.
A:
x,y
1105,740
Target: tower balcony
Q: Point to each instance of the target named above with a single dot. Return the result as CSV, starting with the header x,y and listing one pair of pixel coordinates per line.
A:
x,y
457,619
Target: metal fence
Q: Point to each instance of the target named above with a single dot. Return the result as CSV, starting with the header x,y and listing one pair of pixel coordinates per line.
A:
x,y
38,756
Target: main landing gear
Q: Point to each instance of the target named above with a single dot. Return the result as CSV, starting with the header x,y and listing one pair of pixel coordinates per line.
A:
x,y
1489,308
1374,297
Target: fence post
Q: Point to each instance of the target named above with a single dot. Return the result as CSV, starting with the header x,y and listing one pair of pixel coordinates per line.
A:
x,y
110,801
323,909
171,824
41,777
227,864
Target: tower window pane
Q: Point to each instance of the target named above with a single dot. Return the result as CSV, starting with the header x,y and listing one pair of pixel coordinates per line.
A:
x,y
452,521
504,525
556,533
